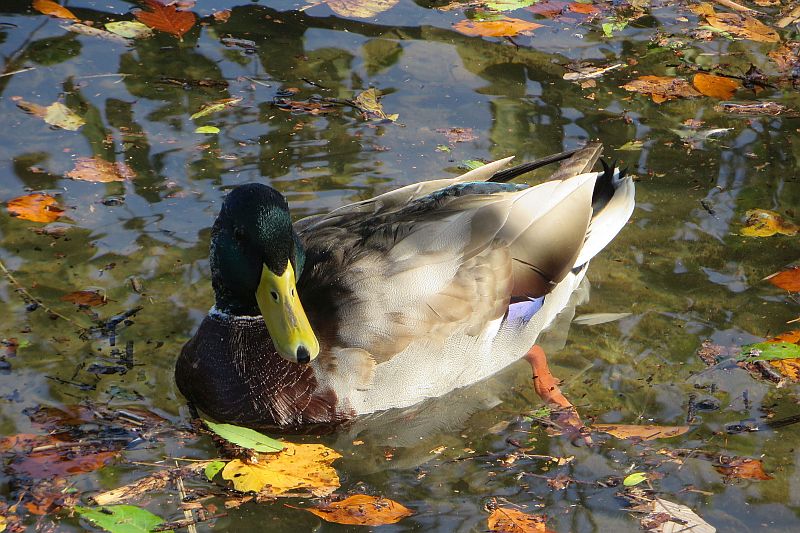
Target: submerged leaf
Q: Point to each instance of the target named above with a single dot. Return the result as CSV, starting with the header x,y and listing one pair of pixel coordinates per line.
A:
x,y
367,102
245,437
503,27
788,279
362,510
661,88
303,468
121,518
96,169
166,18
85,298
48,7
741,468
509,520
625,431
764,223
362,9
36,207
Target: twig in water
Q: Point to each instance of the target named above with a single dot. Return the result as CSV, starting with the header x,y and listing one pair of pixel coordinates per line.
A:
x,y
187,513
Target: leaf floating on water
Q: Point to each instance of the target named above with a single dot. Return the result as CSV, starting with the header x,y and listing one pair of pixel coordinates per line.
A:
x,y
765,223
48,7
668,517
369,104
36,207
716,86
246,438
362,510
98,170
589,73
662,88
61,116
503,27
758,108
129,29
509,520
213,468
166,18
634,479
508,5
207,129
85,298
121,518
299,468
361,9
741,468
742,26
91,31
626,431
458,135
213,107
788,279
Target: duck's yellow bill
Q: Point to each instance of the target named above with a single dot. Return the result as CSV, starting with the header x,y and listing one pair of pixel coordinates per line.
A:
x,y
286,320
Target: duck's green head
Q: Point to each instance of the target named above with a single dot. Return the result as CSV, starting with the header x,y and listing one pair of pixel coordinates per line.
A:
x,y
256,258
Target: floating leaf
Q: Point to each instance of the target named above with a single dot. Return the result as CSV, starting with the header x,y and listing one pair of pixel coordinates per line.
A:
x,y
367,102
213,468
741,468
610,27
85,298
206,129
54,457
590,72
509,520
742,26
91,31
716,86
503,27
129,29
789,368
303,468
471,164
99,170
625,431
770,351
668,517
121,518
361,9
788,279
661,88
758,108
213,107
508,5
764,223
36,207
60,116
166,18
48,7
458,135
362,510
246,438
634,479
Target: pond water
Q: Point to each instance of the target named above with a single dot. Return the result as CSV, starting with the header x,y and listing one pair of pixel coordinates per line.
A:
x,y
681,268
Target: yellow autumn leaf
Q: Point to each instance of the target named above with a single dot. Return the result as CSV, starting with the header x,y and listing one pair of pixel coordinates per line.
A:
x,y
764,223
298,469
510,520
362,510
504,27
742,26
213,107
716,86
662,88
48,7
61,116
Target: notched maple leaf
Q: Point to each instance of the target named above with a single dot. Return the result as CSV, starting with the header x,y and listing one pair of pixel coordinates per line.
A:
x,y
166,18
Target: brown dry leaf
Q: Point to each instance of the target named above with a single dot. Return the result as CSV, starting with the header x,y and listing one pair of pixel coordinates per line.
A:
x,y
58,463
504,27
741,468
662,88
29,107
85,298
36,207
508,520
362,510
222,16
99,170
584,9
789,280
625,431
716,86
299,468
764,223
458,135
166,18
361,9
786,56
789,368
549,8
48,7
743,26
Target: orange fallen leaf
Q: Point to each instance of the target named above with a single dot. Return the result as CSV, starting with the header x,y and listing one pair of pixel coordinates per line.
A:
x,y
362,510
166,18
626,431
662,88
549,8
788,279
584,9
787,336
789,368
716,86
744,469
508,520
765,223
742,26
99,170
85,298
222,16
48,7
504,27
36,207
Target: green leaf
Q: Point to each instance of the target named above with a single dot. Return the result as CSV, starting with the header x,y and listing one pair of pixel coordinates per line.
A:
x,y
509,5
471,164
61,116
634,479
121,518
610,27
770,351
207,129
212,468
246,438
129,29
213,107
443,148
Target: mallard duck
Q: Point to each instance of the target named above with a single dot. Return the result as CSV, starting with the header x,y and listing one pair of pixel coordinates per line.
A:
x,y
383,303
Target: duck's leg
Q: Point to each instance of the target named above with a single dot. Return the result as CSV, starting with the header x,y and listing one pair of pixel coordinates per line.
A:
x,y
546,386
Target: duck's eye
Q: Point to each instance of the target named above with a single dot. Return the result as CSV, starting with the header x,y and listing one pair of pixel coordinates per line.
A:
x,y
274,295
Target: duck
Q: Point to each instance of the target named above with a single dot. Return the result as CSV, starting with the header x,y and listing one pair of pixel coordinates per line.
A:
x,y
384,303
